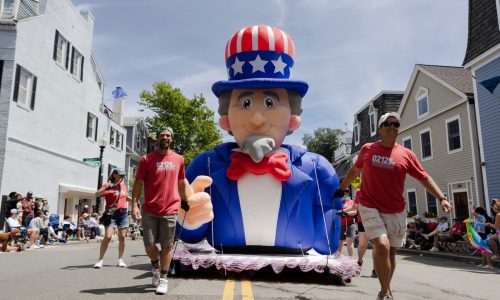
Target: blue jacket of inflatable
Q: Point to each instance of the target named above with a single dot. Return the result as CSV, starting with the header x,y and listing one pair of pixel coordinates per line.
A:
x,y
301,223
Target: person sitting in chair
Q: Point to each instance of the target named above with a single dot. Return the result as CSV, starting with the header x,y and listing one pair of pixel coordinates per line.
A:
x,y
33,233
441,228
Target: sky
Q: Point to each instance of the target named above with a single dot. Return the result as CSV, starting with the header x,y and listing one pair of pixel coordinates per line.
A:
x,y
348,51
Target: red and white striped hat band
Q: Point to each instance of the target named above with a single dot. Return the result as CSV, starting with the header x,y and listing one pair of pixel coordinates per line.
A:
x,y
260,38
259,57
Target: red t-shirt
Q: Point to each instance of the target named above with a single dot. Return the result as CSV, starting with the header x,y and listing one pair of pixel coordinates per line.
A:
x,y
347,205
384,172
112,194
161,174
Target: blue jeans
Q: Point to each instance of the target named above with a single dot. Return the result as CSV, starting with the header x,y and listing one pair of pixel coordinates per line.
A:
x,y
120,218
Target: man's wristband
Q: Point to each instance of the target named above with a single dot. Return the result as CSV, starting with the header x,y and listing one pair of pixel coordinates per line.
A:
x,y
441,199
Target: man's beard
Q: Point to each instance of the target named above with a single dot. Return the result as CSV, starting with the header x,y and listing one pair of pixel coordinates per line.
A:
x,y
164,145
257,146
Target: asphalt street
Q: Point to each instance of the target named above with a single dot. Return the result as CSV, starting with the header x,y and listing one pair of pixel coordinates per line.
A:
x,y
65,272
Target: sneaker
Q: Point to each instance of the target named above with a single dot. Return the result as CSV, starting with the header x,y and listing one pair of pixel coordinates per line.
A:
x,y
426,236
384,296
374,274
98,264
487,267
121,263
480,265
62,241
156,277
162,287
434,249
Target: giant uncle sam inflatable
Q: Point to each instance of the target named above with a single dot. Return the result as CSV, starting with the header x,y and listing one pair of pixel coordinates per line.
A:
x,y
258,195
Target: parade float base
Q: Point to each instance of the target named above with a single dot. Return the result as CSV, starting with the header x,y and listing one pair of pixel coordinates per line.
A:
x,y
341,268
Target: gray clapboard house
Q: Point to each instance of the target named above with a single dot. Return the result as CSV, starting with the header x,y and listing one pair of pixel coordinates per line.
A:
x,y
438,123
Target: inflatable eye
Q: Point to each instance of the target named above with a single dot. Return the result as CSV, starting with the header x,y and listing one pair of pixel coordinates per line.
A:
x,y
246,103
269,102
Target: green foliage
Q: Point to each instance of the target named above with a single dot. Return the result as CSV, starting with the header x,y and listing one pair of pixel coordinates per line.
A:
x,y
323,141
192,121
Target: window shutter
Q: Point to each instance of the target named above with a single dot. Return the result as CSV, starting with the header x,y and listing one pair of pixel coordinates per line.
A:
x,y
122,140
16,82
1,74
54,55
72,58
33,93
67,55
96,126
89,119
81,70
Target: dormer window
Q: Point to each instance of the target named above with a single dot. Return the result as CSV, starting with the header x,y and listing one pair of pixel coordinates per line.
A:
x,y
355,131
372,112
422,100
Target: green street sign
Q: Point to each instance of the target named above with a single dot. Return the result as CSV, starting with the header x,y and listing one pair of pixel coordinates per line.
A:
x,y
93,164
88,159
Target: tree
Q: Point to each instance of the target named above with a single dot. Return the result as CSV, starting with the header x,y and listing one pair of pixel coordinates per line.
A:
x,y
323,141
191,120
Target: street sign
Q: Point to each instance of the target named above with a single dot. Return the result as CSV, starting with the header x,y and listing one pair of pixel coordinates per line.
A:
x,y
93,164
88,159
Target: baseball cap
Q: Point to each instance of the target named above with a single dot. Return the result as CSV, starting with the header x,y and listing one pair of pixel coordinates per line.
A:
x,y
13,211
387,115
30,193
169,129
118,171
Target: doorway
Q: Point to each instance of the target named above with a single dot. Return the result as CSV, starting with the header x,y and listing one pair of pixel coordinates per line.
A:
x,y
461,205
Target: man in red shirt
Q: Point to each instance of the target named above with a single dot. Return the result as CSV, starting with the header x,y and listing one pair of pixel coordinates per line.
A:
x,y
162,174
382,206
28,204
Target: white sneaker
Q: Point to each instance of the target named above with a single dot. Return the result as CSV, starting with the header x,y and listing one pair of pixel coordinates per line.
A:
x,y
156,277
162,287
98,264
434,249
121,263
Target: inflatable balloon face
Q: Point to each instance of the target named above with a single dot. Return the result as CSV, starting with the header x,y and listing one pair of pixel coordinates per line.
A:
x,y
265,196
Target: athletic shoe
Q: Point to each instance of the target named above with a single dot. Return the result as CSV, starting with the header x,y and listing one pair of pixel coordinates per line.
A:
x,y
384,296
480,265
162,287
62,241
374,273
156,277
434,249
98,264
426,236
487,267
495,257
121,263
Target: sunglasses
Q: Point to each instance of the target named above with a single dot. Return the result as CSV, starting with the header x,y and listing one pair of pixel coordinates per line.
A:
x,y
388,124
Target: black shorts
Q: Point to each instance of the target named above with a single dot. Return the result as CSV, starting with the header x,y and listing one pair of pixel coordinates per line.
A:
x,y
361,228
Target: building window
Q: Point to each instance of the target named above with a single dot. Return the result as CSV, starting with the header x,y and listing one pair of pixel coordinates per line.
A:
x,y
119,140
355,131
25,88
61,50
422,100
407,142
431,204
412,202
92,123
425,141
77,64
112,137
453,133
1,75
373,120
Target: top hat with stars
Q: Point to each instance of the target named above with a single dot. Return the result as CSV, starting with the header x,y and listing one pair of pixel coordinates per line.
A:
x,y
259,57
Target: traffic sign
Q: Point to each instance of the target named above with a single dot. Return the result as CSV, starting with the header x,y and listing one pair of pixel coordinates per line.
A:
x,y
92,159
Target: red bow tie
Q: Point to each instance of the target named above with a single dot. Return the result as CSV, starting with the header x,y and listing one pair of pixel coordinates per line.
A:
x,y
276,165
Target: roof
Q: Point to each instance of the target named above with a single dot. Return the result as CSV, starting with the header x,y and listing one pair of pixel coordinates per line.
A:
x,y
458,77
131,121
484,32
342,167
384,92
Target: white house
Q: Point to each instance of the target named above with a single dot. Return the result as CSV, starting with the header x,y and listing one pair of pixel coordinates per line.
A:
x,y
51,90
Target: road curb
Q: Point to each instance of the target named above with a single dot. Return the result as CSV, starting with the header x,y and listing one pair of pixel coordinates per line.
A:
x,y
446,255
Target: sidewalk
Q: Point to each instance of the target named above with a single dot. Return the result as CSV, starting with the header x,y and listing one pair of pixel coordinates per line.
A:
x,y
447,255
